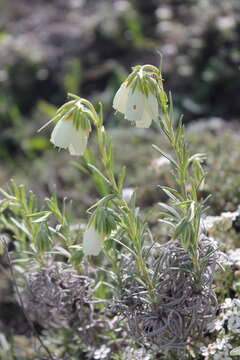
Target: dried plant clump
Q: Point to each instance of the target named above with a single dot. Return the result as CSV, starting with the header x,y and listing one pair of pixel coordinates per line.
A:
x,y
183,305
58,297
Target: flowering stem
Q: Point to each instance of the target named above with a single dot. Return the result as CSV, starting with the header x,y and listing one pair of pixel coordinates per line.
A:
x,y
135,236
180,159
132,228
108,168
187,192
143,269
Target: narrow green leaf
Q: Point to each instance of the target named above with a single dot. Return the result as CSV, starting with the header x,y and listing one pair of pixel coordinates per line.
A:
x,y
191,211
98,172
132,202
170,209
198,156
179,132
21,226
73,96
184,204
235,352
39,216
167,156
172,193
79,166
15,189
166,222
102,201
180,228
7,196
207,199
125,246
121,178
62,251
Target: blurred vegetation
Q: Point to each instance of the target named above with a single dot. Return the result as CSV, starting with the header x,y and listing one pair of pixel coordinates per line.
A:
x,y
87,47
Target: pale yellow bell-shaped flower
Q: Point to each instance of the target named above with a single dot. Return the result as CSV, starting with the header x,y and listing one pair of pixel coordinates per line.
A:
x,y
136,106
92,241
66,136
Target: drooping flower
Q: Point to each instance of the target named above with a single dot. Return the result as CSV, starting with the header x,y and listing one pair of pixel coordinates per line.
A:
x,y
137,99
66,136
92,241
100,225
73,126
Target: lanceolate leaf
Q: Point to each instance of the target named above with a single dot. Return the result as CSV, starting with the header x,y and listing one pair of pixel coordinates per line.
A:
x,y
21,226
180,228
98,172
171,193
167,156
121,178
170,209
235,352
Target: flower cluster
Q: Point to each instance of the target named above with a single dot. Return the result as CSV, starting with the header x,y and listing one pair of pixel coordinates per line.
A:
x,y
227,324
135,105
136,354
231,262
102,353
138,96
231,314
233,258
220,350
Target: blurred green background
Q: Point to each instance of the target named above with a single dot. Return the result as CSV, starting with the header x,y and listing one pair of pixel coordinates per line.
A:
x,y
48,48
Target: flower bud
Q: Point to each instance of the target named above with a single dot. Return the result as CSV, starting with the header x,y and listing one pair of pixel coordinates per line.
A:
x,y
101,224
92,241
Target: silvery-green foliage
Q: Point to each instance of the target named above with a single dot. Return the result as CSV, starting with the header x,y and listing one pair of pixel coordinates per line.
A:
x,y
227,328
164,293
181,307
58,297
